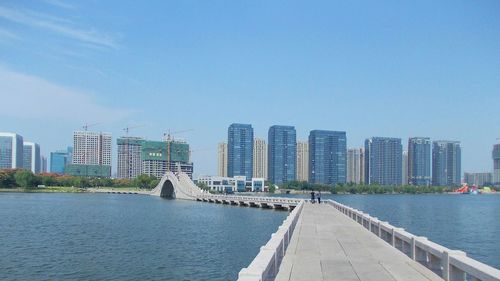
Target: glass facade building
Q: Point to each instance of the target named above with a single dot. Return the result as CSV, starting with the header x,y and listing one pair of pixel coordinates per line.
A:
x,y
446,163
240,150
419,161
282,154
59,160
383,161
496,164
327,157
31,157
11,151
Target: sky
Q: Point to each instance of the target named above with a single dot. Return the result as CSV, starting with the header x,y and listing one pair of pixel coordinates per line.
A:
x,y
370,68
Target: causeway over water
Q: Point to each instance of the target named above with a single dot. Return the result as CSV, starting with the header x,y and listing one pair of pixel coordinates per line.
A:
x,y
328,245
332,241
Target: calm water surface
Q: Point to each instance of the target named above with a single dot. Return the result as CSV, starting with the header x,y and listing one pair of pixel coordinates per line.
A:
x,y
127,237
470,223
133,237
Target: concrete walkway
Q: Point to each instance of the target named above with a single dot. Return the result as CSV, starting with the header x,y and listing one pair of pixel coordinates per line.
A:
x,y
327,245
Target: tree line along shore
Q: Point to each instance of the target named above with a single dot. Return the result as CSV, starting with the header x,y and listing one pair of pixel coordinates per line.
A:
x,y
24,180
20,180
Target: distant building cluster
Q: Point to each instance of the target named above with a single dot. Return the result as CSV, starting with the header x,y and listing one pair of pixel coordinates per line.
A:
x,y
90,156
15,153
325,159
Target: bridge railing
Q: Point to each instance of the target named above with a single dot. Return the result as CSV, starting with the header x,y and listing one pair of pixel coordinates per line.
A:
x,y
259,199
451,265
266,264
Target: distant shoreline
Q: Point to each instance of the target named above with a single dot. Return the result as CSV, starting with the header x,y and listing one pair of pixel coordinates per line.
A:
x,y
134,190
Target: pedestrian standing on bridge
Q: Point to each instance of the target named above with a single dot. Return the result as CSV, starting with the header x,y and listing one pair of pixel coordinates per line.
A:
x,y
312,197
319,197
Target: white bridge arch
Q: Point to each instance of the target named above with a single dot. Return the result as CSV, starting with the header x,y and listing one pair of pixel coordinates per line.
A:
x,y
177,186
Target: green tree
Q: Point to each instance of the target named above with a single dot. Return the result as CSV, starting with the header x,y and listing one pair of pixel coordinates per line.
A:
x,y
25,178
146,182
80,182
7,179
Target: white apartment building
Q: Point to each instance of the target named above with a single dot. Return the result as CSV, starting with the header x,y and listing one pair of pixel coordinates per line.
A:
x,y
302,161
222,159
91,148
259,158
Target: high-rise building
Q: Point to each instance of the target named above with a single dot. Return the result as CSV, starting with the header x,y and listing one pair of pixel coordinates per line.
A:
x,y
446,163
156,160
355,165
327,157
31,157
282,153
383,161
478,179
302,161
404,165
91,154
419,161
129,157
362,165
259,158
60,159
240,150
496,164
222,159
11,151
44,164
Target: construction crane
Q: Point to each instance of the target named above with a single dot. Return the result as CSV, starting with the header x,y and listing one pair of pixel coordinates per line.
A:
x,y
200,149
168,138
127,129
87,125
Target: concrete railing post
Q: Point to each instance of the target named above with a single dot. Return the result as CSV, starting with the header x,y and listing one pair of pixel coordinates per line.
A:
x,y
445,263
451,273
412,248
393,237
379,230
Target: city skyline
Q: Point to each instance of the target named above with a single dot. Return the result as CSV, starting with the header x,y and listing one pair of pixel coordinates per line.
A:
x,y
437,71
406,166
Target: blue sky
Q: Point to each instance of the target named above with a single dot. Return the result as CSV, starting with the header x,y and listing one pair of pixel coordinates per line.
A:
x,y
371,68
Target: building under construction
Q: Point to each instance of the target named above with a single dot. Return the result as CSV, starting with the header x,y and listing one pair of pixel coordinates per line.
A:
x,y
91,154
137,156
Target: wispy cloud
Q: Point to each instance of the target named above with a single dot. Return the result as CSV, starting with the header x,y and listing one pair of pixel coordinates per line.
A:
x,y
59,26
5,34
60,4
35,98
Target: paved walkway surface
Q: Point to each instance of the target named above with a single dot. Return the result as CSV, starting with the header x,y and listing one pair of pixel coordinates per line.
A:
x,y
328,245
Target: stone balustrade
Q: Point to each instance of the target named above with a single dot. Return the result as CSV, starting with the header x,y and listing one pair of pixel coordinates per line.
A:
x,y
266,264
252,201
451,265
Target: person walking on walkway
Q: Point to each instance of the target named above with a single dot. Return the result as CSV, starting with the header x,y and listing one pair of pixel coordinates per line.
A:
x,y
319,197
312,197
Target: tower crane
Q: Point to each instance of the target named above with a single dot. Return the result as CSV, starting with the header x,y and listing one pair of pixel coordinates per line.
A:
x,y
128,128
87,125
